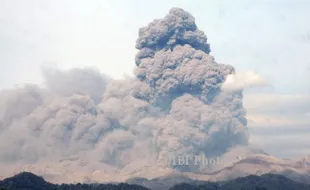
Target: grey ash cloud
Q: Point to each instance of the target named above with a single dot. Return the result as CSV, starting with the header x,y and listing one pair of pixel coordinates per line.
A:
x,y
174,105
174,58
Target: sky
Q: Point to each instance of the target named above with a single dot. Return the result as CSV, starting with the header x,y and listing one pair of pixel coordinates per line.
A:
x,y
270,37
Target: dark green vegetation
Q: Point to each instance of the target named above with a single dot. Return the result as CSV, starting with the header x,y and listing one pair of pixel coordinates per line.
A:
x,y
29,181
252,182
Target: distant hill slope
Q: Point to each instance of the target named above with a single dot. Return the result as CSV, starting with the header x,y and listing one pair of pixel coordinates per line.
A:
x,y
266,181
252,182
29,181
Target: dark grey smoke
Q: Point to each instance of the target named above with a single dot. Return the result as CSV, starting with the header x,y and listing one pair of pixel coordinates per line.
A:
x,y
174,106
177,28
174,59
184,80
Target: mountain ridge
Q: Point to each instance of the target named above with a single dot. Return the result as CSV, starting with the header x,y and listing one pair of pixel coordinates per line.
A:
x,y
27,180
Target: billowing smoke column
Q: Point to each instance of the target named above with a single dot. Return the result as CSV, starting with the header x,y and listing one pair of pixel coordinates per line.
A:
x,y
185,81
174,106
174,59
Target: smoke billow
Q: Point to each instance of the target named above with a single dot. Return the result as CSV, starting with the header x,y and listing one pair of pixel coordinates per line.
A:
x,y
174,105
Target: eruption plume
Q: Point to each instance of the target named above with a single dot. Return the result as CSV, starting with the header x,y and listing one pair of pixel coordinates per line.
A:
x,y
174,106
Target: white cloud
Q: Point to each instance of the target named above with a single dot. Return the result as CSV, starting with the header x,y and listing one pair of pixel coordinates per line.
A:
x,y
243,80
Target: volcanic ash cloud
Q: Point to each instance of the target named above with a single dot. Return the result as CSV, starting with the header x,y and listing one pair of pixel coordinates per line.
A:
x,y
174,106
184,81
